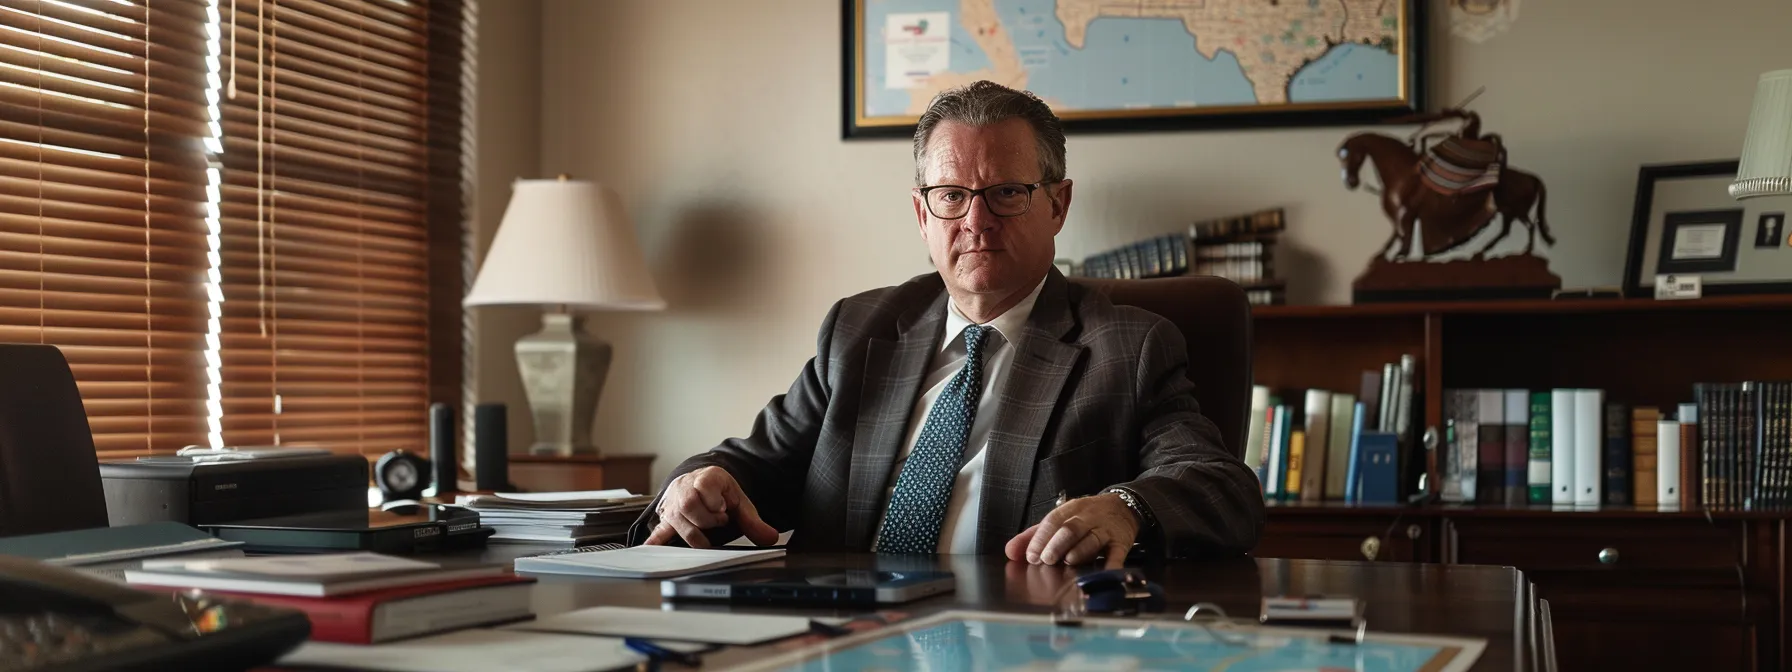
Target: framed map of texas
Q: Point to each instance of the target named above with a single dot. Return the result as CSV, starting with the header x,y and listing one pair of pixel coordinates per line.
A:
x,y
1131,65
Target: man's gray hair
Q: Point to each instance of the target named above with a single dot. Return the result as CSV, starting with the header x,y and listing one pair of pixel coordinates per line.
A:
x,y
987,103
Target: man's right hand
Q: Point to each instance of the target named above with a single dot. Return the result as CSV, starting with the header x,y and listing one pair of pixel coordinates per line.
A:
x,y
706,499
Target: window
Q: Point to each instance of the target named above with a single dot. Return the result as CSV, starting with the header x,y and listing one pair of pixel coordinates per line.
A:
x,y
274,262
102,208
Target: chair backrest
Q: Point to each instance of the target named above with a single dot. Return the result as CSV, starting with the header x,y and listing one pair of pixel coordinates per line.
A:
x,y
1215,318
49,475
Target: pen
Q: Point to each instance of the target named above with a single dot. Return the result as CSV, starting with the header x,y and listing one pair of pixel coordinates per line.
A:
x,y
658,653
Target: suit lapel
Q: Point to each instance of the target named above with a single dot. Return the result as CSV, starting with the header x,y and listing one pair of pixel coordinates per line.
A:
x,y
894,370
1029,397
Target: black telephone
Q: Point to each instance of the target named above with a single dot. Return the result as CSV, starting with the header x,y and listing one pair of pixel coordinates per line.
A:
x,y
55,618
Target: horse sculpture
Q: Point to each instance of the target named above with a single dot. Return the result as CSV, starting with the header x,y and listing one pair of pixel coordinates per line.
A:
x,y
1446,221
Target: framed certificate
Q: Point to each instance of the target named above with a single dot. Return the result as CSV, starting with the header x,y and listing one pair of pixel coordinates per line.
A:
x,y
1686,223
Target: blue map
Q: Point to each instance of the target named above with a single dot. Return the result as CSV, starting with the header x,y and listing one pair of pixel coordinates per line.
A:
x,y
959,641
1112,55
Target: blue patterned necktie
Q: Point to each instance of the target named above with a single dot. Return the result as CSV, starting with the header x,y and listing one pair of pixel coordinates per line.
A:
x,y
918,504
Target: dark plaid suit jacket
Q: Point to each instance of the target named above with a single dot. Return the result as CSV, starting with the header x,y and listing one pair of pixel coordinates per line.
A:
x,y
1097,396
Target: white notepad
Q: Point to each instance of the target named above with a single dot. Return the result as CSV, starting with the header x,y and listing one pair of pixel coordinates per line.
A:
x,y
679,626
473,650
643,562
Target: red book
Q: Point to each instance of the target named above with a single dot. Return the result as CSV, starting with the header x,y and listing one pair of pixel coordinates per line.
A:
x,y
408,611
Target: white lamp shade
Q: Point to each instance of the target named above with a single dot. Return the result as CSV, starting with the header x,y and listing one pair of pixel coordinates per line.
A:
x,y
565,242
1766,167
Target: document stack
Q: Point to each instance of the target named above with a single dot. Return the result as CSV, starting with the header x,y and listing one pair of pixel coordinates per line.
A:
x,y
356,598
580,518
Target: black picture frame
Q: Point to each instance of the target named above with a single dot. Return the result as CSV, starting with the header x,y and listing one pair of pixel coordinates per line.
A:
x,y
855,126
1729,218
1647,178
1770,230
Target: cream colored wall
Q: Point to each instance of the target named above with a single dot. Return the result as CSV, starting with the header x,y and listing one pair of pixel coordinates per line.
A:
x,y
718,121
509,141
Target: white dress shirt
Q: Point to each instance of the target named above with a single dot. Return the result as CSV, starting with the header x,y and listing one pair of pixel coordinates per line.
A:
x,y
958,533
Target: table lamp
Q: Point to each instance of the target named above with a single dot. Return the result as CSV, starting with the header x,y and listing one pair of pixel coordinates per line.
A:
x,y
567,246
1766,165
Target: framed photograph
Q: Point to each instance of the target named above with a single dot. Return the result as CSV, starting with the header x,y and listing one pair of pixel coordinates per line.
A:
x,y
1686,223
1770,230
1107,66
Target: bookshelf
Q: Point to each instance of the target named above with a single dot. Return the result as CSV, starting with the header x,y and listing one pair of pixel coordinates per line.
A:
x,y
1713,579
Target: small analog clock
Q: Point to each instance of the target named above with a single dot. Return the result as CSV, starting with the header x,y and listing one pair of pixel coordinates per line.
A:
x,y
401,475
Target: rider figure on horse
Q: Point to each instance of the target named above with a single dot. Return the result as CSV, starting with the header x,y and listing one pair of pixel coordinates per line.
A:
x,y
1464,162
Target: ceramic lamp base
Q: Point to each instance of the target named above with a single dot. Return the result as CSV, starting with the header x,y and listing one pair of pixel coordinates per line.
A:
x,y
563,371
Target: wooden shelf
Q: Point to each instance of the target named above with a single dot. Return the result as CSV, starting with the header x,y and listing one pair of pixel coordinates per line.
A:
x,y
1641,352
1537,510
1528,306
1595,563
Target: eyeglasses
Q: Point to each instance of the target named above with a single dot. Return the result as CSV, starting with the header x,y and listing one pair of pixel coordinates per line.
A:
x,y
950,201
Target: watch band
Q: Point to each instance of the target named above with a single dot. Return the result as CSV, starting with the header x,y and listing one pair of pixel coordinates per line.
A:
x,y
1137,504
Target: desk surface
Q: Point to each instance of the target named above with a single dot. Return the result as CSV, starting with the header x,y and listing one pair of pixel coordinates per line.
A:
x,y
1493,603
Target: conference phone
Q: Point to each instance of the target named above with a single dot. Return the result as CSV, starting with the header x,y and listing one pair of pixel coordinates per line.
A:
x,y
55,618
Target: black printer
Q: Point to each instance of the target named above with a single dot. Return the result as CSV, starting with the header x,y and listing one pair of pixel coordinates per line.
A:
x,y
198,492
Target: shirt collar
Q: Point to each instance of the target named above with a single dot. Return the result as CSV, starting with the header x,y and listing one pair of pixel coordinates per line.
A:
x,y
1007,324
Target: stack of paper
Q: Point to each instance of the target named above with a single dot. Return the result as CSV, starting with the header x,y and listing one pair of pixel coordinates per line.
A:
x,y
579,518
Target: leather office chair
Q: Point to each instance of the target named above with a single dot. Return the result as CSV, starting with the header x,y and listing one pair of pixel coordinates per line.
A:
x,y
1215,319
49,475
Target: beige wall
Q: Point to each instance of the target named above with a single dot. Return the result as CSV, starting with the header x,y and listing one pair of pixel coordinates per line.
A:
x,y
718,121
509,144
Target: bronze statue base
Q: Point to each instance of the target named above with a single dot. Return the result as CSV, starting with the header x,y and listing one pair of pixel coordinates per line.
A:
x,y
1517,276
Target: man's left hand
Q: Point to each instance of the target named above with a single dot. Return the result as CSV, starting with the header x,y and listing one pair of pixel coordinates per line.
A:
x,y
1077,532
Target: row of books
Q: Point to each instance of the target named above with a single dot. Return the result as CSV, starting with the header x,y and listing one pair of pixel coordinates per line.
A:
x,y
1730,447
1241,249
1318,445
1744,453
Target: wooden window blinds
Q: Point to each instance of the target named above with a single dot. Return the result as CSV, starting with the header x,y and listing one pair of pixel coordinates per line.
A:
x,y
102,207
335,142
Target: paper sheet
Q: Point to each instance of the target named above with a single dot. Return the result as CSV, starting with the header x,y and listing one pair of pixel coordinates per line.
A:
x,y
474,651
683,626
565,496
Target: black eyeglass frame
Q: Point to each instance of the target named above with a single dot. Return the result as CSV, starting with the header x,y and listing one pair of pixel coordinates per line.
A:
x,y
974,193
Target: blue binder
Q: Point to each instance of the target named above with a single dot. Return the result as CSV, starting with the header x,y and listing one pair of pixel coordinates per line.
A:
x,y
1379,468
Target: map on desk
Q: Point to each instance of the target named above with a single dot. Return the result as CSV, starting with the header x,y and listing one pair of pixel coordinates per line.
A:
x,y
964,640
1109,55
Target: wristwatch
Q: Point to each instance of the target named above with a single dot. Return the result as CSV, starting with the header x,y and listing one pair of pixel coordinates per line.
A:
x,y
1137,505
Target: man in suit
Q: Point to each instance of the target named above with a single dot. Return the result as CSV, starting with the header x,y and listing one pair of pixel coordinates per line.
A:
x,y
989,407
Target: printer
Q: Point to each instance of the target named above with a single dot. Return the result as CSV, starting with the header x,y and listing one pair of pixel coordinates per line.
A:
x,y
202,491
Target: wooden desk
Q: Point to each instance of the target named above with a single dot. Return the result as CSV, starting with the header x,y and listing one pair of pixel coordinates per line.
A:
x,y
1493,603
